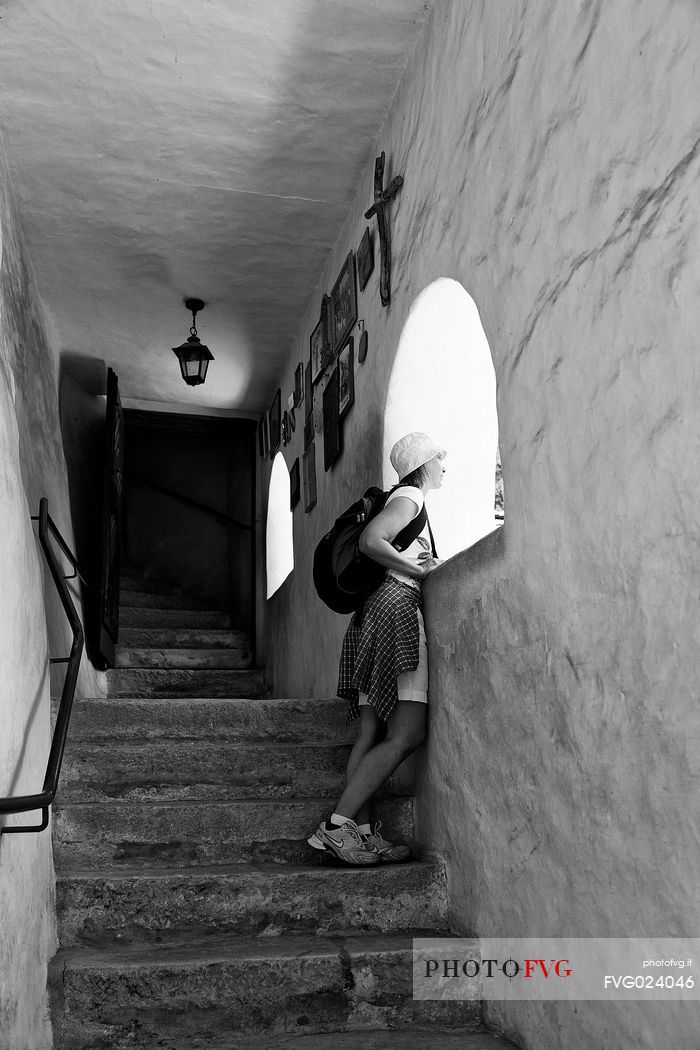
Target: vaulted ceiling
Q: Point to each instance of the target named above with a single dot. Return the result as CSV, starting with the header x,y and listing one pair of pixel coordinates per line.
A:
x,y
161,149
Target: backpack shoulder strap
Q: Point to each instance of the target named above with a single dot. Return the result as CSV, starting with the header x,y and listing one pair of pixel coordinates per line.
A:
x,y
409,533
432,538
414,528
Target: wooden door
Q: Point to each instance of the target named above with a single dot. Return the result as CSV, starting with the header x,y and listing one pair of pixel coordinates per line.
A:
x,y
111,524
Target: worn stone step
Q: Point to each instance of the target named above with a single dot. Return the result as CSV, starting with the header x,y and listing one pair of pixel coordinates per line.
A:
x,y
185,659
183,998
153,600
138,616
173,682
174,770
183,638
210,718
434,1038
117,906
190,833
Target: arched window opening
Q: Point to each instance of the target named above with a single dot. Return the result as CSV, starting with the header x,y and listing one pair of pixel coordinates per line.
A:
x,y
443,382
279,533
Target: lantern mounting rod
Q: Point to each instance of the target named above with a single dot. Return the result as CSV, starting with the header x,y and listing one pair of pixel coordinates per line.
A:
x,y
194,306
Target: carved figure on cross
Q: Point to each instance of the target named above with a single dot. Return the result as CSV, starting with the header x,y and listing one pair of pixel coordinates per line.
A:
x,y
381,199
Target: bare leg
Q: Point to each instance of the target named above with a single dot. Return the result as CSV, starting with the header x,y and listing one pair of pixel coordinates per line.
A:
x,y
405,732
372,730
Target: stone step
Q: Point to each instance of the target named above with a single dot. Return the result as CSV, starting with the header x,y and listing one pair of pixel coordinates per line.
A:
x,y
190,770
135,582
138,905
185,998
234,720
152,600
182,638
435,1038
138,616
173,682
185,659
190,833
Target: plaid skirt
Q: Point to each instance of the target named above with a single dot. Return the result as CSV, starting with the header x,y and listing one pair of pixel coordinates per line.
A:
x,y
380,644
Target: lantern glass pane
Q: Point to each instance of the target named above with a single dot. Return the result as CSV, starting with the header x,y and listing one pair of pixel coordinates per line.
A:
x,y
194,360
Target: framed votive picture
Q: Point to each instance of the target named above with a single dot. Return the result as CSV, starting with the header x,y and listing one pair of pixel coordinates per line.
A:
x,y
294,484
317,352
319,343
343,304
331,428
275,422
308,387
298,385
326,319
266,435
365,258
310,478
346,378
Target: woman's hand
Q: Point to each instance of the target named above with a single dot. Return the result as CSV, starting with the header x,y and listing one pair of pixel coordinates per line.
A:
x,y
426,563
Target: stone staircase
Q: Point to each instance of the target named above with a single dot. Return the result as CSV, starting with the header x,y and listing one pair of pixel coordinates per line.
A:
x,y
191,911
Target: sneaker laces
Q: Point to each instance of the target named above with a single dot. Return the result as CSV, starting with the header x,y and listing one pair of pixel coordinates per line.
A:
x,y
375,833
351,829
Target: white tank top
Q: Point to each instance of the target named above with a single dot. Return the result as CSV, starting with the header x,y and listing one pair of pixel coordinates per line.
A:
x,y
421,545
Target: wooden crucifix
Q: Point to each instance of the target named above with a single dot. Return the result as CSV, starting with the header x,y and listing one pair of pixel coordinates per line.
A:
x,y
381,199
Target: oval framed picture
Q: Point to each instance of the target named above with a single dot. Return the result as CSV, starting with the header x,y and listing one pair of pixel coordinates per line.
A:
x,y
362,349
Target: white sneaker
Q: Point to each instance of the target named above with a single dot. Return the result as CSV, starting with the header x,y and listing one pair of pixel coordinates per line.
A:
x,y
345,842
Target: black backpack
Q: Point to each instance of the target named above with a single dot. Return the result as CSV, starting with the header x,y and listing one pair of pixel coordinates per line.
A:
x,y
344,577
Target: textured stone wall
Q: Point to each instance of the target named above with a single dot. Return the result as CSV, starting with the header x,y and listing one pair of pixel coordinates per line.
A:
x,y
32,628
550,157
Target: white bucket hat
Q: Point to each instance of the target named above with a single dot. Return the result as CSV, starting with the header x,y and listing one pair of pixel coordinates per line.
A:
x,y
412,451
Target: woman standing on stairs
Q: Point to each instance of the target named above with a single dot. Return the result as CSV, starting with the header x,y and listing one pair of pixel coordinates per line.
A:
x,y
384,660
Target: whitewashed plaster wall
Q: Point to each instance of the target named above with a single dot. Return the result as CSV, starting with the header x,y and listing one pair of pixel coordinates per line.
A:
x,y
33,627
550,153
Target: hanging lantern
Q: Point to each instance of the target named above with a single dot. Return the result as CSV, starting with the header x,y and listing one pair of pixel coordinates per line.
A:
x,y
193,356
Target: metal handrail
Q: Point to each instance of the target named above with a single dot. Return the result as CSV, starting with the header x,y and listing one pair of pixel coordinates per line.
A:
x,y
42,800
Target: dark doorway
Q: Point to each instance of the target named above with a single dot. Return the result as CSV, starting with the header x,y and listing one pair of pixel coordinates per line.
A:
x,y
189,507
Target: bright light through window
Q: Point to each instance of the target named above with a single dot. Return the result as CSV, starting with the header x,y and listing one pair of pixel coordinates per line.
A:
x,y
443,383
280,531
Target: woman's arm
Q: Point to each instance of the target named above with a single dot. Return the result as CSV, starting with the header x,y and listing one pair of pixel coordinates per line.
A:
x,y
376,539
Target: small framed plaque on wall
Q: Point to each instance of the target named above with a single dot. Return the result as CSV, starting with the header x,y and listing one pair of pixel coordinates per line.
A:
x,y
365,258
298,385
346,381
